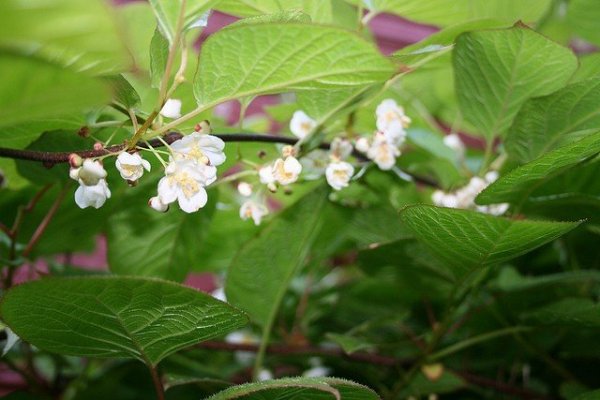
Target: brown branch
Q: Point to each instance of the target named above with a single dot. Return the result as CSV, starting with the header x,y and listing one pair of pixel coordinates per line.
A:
x,y
51,158
501,387
364,357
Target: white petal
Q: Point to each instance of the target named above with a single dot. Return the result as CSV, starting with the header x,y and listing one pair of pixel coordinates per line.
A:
x,y
167,192
194,203
156,204
301,124
171,109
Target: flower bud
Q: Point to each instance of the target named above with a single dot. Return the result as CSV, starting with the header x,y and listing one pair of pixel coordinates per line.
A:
x,y
98,146
158,205
75,160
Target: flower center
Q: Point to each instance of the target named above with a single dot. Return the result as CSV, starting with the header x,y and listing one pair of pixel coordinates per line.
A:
x,y
189,187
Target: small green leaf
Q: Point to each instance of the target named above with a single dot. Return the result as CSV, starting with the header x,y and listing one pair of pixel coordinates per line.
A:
x,y
515,186
299,388
33,89
83,35
123,92
268,58
159,52
545,123
467,240
260,274
110,317
165,245
496,71
168,11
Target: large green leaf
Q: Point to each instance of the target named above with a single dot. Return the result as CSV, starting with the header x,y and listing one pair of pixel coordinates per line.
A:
x,y
515,186
82,34
496,71
582,16
467,240
248,60
115,317
165,245
21,135
168,11
299,388
32,89
159,52
548,122
260,274
444,12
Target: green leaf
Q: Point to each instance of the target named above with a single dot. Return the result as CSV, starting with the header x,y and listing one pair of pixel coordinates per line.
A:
x,y
582,16
165,245
444,12
21,135
323,104
594,395
83,35
33,89
267,58
467,240
547,122
123,92
299,388
278,17
168,11
515,186
349,344
159,52
115,317
575,312
496,71
260,274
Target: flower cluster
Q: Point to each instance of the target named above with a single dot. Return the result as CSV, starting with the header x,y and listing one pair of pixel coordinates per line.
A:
x,y
191,168
465,196
253,206
384,146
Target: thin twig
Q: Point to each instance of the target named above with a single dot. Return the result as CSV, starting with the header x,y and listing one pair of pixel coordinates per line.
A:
x,y
158,385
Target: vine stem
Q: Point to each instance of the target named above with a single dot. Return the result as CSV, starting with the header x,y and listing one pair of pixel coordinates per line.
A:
x,y
158,385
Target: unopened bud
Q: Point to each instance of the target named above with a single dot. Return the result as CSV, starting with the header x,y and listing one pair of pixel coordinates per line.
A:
x,y
132,183
262,154
433,372
272,187
288,151
158,205
245,189
179,78
75,160
204,127
98,146
84,131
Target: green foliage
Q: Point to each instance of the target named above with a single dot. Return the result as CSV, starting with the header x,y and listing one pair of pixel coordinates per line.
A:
x,y
283,246
498,70
313,388
467,240
268,58
168,13
34,89
518,183
115,317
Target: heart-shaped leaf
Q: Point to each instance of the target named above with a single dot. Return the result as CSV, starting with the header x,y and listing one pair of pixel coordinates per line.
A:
x,y
115,317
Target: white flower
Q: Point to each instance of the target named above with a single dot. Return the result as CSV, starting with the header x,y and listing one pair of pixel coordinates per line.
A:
x,y
383,153
453,141
243,337
266,177
11,340
184,181
340,149
314,164
491,177
264,375
171,109
92,195
317,372
362,145
254,210
202,148
245,189
338,174
89,174
219,294
465,197
391,120
286,172
157,204
301,124
131,166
